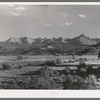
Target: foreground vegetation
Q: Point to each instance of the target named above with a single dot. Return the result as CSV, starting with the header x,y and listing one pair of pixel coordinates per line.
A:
x,y
46,78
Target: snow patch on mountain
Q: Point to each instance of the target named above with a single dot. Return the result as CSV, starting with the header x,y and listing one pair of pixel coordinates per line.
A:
x,y
13,40
27,40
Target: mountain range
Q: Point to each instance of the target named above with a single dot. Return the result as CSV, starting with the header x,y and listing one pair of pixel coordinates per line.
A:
x,y
39,46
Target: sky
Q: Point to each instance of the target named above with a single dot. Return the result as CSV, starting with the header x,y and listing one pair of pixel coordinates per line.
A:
x,y
49,21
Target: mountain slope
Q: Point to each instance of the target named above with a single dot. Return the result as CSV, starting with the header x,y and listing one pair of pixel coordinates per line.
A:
x,y
27,45
82,40
27,40
13,40
90,50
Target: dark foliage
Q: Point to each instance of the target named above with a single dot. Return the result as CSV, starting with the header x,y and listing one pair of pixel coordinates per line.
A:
x,y
50,63
29,83
75,82
58,61
46,72
66,71
99,54
5,66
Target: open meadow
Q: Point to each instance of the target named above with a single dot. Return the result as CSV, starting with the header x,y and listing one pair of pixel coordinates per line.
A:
x,y
41,72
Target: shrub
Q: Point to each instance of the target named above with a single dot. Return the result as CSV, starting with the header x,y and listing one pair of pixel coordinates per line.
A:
x,y
30,64
16,83
46,72
29,83
19,57
85,59
82,64
42,83
89,70
50,63
58,61
20,66
82,68
66,71
82,72
75,82
99,54
5,66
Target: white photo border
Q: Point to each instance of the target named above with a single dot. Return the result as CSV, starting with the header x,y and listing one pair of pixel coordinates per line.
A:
x,y
50,93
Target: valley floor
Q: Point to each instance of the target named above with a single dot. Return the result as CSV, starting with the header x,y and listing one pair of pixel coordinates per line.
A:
x,y
27,74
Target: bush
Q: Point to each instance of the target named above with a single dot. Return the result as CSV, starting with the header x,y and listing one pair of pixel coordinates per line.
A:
x,y
39,82
46,72
85,59
29,83
5,66
58,61
75,82
16,83
82,72
30,64
50,63
20,66
19,57
89,70
42,83
66,71
82,64
99,54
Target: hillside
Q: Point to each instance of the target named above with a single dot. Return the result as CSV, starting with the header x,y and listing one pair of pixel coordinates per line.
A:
x,y
27,45
90,50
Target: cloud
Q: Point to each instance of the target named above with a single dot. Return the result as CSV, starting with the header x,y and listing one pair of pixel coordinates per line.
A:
x,y
65,24
16,10
4,7
20,8
82,16
13,13
47,24
7,7
63,14
68,23
11,5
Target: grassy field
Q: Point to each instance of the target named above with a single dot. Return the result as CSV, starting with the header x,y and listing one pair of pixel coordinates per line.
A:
x,y
30,63
43,58
27,68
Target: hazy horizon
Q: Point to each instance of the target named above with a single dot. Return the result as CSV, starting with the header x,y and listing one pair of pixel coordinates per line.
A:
x,y
49,21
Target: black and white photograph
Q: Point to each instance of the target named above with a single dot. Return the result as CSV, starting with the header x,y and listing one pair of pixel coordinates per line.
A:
x,y
44,47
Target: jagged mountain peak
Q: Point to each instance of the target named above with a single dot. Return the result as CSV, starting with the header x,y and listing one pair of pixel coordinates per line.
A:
x,y
27,40
82,35
35,45
59,40
13,40
82,39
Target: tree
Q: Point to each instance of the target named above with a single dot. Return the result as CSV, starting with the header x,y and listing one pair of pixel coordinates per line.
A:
x,y
99,54
76,82
58,61
73,55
